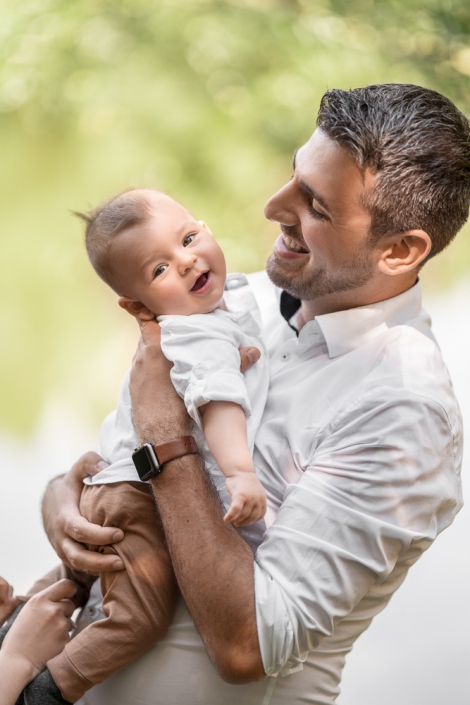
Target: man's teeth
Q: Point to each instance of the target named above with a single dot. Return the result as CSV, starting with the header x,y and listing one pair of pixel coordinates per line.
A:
x,y
292,244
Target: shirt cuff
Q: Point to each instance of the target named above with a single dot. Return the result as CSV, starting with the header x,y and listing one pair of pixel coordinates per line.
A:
x,y
275,631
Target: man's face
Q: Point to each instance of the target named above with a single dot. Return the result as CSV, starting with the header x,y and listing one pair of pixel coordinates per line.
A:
x,y
324,245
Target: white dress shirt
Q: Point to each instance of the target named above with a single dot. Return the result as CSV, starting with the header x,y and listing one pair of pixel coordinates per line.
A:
x,y
359,450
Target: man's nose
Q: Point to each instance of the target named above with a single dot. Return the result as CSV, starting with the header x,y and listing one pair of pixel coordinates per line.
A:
x,y
281,207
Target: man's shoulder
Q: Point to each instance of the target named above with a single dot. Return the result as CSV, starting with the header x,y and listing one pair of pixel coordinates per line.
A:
x,y
410,371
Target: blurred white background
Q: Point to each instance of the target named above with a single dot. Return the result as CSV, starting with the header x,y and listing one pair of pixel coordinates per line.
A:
x,y
416,653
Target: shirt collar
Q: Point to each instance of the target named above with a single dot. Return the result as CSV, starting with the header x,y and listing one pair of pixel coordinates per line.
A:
x,y
347,330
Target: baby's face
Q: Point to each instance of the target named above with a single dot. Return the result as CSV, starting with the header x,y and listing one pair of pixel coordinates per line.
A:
x,y
170,263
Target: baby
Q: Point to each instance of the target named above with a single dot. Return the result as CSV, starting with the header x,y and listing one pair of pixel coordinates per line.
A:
x,y
163,264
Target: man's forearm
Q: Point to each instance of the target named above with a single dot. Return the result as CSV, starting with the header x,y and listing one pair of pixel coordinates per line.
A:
x,y
214,568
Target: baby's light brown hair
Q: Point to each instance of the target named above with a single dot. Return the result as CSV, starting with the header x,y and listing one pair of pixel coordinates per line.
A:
x,y
110,218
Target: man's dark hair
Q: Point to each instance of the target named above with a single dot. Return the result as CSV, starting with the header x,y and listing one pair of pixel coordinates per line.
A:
x,y
418,144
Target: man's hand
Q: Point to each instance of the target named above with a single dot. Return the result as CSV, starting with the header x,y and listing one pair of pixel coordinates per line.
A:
x,y
67,530
248,357
157,411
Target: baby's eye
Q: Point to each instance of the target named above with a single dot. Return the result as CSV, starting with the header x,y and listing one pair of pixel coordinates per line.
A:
x,y
159,270
188,240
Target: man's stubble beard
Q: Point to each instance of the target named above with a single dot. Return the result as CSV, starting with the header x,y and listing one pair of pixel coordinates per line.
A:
x,y
320,282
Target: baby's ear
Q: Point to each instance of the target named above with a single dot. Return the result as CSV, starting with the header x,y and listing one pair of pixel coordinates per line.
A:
x,y
204,225
136,308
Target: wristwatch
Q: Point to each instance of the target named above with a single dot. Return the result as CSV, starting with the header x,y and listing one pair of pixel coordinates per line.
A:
x,y
149,460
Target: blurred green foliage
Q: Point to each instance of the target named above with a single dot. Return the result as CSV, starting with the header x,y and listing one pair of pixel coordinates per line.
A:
x,y
204,99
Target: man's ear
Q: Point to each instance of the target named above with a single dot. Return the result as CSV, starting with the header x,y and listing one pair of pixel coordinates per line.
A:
x,y
136,308
404,252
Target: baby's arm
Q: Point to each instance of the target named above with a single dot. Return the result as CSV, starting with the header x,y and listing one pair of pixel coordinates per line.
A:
x,y
224,426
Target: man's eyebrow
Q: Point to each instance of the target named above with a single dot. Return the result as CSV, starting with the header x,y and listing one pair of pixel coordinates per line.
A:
x,y
314,195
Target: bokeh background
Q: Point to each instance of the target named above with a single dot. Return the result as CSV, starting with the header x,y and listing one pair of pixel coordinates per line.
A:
x,y
206,99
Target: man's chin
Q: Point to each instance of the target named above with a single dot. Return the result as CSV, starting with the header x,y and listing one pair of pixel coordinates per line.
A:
x,y
286,277
315,284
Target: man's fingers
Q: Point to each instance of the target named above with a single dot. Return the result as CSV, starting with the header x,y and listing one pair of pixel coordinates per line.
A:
x,y
89,464
150,332
68,608
78,557
83,531
248,357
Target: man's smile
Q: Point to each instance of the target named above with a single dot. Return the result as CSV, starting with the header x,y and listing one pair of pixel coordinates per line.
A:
x,y
286,247
292,244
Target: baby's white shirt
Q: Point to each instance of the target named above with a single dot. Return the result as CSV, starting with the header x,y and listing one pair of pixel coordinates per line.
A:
x,y
206,367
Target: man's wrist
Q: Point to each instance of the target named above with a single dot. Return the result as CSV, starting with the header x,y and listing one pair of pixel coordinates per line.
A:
x,y
150,459
179,469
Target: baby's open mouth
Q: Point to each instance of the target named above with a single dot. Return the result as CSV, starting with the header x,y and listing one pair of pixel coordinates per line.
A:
x,y
200,282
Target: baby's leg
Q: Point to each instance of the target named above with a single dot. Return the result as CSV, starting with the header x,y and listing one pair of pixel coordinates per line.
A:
x,y
138,602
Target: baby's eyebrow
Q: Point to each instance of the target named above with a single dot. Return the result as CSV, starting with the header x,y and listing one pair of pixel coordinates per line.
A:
x,y
151,260
187,225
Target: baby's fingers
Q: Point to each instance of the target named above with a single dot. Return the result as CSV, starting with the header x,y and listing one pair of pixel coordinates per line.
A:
x,y
234,511
247,515
256,513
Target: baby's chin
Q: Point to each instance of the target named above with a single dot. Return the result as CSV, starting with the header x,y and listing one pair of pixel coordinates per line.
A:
x,y
194,308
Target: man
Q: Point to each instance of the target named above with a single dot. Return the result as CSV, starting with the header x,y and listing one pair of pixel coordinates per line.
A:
x,y
360,444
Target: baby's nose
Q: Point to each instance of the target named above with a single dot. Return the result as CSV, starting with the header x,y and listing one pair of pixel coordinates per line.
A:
x,y
188,262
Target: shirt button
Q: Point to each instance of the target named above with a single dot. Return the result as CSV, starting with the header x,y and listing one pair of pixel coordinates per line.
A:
x,y
285,357
90,611
198,373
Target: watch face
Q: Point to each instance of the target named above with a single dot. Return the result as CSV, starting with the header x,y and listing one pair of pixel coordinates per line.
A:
x,y
146,462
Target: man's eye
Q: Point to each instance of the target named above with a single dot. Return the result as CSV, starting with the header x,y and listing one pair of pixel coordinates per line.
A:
x,y
188,240
316,214
159,270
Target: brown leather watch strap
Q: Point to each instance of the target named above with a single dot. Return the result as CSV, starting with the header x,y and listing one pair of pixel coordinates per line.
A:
x,y
186,445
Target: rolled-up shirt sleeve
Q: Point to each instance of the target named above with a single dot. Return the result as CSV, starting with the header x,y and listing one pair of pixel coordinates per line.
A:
x,y
380,479
206,361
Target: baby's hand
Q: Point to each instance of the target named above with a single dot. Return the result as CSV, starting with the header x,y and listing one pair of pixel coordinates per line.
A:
x,y
248,499
8,603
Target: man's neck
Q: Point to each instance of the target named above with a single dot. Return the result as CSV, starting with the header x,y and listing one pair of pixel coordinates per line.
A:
x,y
371,293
